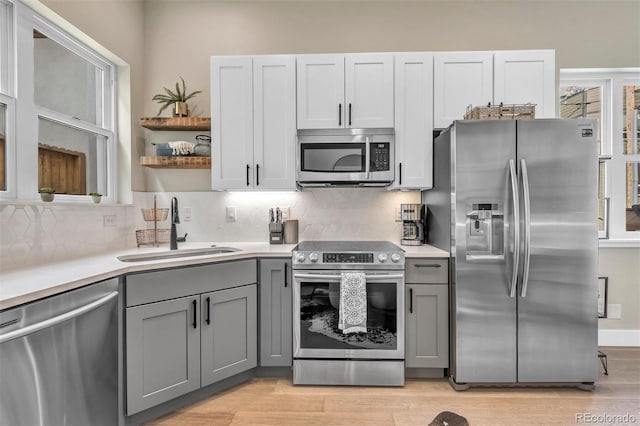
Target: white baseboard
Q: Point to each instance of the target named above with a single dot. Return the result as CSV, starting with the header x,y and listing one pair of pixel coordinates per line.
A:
x,y
618,337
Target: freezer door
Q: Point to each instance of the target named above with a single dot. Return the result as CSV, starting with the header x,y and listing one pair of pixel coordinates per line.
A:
x,y
484,314
557,334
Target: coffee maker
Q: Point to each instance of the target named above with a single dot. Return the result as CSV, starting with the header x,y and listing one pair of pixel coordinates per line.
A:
x,y
413,224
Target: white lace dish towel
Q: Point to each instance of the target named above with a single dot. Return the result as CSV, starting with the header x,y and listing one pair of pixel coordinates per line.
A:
x,y
353,303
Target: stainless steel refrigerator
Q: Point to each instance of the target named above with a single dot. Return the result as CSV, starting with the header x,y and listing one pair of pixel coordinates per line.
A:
x,y
515,203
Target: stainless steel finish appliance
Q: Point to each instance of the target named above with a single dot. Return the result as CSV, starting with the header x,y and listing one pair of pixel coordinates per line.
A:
x,y
515,203
59,359
345,157
413,219
323,355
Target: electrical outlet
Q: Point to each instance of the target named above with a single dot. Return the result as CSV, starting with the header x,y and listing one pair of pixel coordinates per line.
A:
x,y
231,214
109,220
286,213
398,214
614,311
187,214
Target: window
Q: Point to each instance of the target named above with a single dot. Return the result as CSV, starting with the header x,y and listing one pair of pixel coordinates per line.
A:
x,y
612,97
7,102
67,126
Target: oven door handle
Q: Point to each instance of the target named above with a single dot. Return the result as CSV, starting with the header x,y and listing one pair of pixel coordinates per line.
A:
x,y
367,154
334,277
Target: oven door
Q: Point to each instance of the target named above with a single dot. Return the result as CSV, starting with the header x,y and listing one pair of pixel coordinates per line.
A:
x,y
316,298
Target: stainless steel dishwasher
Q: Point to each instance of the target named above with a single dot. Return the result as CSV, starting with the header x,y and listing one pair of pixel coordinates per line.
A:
x,y
59,359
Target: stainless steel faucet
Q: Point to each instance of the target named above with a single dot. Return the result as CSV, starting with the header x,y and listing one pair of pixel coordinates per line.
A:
x,y
173,244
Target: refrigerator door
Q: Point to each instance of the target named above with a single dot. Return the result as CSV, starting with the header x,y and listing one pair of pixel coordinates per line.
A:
x,y
557,315
484,313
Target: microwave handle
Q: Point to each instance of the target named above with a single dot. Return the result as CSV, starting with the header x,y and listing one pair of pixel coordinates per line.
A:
x,y
367,156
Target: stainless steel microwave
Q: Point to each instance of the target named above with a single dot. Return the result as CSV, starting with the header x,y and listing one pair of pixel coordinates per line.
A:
x,y
345,157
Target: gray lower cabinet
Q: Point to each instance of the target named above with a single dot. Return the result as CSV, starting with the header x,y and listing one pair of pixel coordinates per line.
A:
x,y
427,326
187,328
229,335
163,352
276,313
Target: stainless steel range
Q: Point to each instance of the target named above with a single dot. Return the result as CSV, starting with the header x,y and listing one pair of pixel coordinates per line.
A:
x,y
326,353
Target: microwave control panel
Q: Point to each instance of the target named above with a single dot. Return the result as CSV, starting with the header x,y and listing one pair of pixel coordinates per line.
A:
x,y
379,155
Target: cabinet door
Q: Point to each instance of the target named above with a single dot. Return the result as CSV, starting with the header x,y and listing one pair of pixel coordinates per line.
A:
x,y
522,77
231,122
369,90
276,311
162,352
427,326
460,79
229,333
414,121
274,121
320,91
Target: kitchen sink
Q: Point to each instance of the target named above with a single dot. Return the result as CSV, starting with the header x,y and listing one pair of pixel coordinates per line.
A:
x,y
176,254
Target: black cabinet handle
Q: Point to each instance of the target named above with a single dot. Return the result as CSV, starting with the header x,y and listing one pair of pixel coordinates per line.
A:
x,y
195,314
208,310
257,174
428,265
410,300
248,169
400,166
286,273
339,114
349,115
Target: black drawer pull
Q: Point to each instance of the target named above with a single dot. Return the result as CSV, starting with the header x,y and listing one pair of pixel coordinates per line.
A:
x,y
430,265
339,115
208,310
248,169
286,280
195,314
349,115
410,300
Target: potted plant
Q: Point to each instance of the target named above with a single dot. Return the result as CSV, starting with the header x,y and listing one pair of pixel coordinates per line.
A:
x,y
178,99
95,197
47,194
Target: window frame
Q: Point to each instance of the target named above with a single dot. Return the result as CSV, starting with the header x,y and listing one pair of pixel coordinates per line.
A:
x,y
614,80
7,94
26,113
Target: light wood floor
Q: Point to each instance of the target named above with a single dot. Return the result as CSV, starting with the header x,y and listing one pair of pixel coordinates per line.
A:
x,y
277,401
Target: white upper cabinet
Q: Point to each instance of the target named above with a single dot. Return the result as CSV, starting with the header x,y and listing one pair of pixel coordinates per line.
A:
x,y
253,122
232,122
337,91
274,121
414,121
460,79
522,77
320,91
369,90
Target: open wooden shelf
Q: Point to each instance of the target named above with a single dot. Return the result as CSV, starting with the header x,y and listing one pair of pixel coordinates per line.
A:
x,y
190,162
177,123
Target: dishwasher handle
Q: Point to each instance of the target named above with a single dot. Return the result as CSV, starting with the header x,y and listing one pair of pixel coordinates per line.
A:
x,y
57,319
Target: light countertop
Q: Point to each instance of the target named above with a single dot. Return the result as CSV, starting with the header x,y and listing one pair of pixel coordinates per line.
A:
x,y
33,283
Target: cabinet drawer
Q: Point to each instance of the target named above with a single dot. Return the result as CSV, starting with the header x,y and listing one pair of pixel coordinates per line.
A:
x,y
172,283
429,271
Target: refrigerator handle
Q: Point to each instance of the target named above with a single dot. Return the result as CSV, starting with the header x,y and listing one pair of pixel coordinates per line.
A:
x,y
516,228
527,227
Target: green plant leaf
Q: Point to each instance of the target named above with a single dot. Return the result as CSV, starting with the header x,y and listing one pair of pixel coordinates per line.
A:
x,y
165,106
172,95
191,95
184,89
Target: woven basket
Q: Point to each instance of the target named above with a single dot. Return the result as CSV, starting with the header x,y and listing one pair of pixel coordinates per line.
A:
x,y
152,236
501,112
161,214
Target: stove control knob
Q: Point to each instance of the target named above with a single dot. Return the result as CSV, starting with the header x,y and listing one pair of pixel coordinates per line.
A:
x,y
313,257
300,257
395,258
382,257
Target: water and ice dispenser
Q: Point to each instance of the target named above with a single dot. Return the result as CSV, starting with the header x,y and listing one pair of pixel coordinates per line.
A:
x,y
485,231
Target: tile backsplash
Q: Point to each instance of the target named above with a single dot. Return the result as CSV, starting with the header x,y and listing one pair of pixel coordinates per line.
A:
x,y
323,213
35,233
